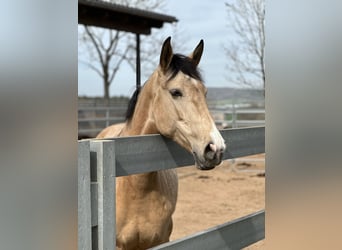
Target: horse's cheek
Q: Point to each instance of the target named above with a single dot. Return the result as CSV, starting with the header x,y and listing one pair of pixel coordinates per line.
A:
x,y
165,125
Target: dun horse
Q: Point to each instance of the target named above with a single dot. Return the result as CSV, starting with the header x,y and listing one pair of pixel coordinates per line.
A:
x,y
171,103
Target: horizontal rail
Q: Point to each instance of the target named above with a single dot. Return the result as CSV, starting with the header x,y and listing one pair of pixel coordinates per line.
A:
x,y
252,122
101,119
123,107
238,111
139,154
89,130
235,234
250,111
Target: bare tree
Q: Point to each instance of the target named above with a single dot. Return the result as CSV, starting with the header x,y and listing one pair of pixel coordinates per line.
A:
x,y
104,53
107,49
246,50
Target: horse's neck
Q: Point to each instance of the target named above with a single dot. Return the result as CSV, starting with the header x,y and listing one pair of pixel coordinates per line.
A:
x,y
142,122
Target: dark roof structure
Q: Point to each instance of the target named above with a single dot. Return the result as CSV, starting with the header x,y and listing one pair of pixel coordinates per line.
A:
x,y
113,16
119,17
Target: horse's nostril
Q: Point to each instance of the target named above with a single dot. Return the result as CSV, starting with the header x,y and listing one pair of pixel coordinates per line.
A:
x,y
210,151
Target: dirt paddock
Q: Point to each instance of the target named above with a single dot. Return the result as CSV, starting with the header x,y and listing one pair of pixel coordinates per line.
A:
x,y
210,198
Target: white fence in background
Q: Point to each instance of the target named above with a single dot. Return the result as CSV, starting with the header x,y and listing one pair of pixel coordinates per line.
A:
x,y
100,161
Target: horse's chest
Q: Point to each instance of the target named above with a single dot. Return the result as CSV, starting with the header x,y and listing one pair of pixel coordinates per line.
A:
x,y
147,222
152,209
144,208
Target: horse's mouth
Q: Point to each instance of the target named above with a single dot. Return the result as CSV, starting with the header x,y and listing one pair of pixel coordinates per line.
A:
x,y
204,165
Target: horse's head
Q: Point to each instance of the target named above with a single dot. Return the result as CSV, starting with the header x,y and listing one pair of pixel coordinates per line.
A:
x,y
180,109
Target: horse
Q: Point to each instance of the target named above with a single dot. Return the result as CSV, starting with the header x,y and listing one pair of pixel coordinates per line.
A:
x,y
172,103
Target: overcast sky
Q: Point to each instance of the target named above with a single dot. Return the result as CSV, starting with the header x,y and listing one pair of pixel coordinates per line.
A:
x,y
203,19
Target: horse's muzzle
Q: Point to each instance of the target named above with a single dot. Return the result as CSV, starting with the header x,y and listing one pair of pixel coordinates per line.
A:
x,y
211,158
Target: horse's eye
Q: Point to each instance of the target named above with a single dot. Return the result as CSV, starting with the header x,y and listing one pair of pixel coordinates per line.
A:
x,y
176,93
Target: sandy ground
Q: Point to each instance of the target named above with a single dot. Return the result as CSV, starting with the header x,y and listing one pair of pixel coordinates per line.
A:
x,y
209,198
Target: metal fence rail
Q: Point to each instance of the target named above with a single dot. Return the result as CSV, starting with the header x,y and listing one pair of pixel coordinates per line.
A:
x,y
100,161
235,234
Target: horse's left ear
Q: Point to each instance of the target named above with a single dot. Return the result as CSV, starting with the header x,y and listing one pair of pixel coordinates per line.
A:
x,y
197,53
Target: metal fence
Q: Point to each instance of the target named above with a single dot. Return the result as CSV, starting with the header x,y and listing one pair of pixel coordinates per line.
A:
x,y
91,120
234,117
100,161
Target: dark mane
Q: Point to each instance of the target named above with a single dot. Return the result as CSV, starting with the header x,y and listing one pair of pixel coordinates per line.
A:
x,y
131,104
178,63
185,65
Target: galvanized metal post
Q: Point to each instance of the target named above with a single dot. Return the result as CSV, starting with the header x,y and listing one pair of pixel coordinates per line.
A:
x,y
138,72
105,173
234,116
84,199
107,116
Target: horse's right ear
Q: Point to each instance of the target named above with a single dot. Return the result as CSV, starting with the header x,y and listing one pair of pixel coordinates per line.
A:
x,y
166,55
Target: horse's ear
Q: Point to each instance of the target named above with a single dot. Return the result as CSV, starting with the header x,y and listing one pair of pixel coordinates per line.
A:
x,y
196,55
166,55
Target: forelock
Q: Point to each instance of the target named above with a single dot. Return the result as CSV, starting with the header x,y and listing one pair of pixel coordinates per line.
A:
x,y
185,65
